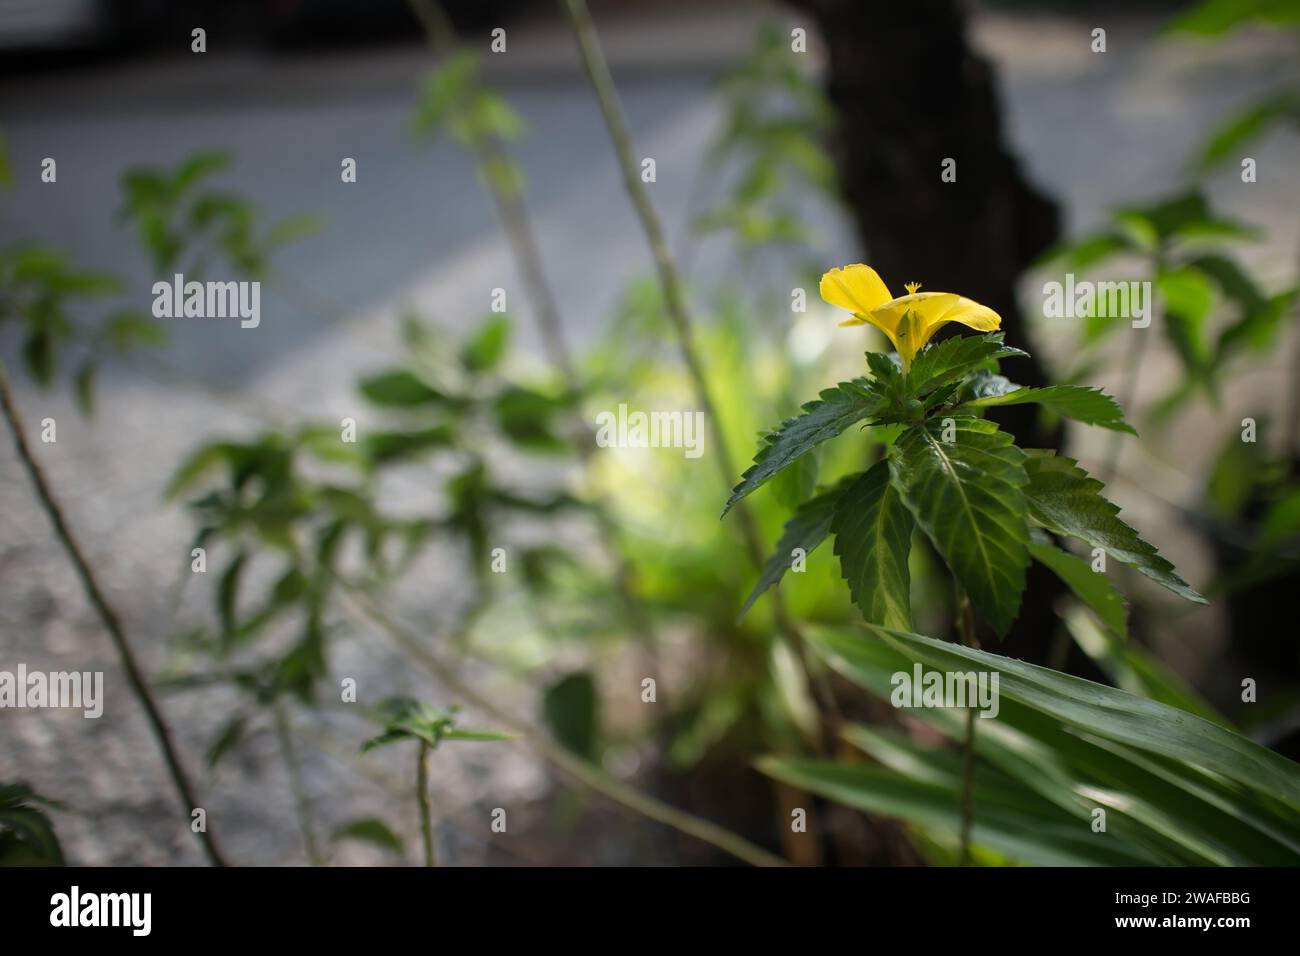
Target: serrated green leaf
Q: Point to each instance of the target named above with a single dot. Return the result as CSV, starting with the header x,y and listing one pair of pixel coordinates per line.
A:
x,y
1091,406
821,420
967,496
955,358
806,529
1065,500
1091,587
873,535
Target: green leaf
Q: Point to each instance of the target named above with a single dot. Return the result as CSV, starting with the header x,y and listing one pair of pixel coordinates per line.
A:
x,y
1091,587
1131,668
1218,17
1091,406
38,356
527,418
387,447
1066,501
806,529
370,830
1172,811
1232,136
570,708
407,719
967,496
485,350
228,595
955,358
873,535
399,388
227,739
126,328
85,387
822,419
1026,831
1097,710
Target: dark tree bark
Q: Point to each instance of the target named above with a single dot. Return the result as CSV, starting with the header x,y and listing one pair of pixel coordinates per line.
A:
x,y
909,93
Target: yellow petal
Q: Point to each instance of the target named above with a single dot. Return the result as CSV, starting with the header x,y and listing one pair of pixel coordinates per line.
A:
x,y
918,316
966,311
857,288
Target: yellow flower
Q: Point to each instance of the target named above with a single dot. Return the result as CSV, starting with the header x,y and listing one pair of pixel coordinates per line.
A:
x,y
909,321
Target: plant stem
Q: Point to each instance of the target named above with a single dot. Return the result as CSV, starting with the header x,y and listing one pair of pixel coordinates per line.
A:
x,y
422,795
489,154
112,623
288,753
602,83
585,773
966,629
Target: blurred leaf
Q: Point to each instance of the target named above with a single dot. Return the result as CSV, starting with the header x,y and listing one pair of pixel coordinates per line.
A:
x,y
38,357
27,837
383,448
399,388
85,387
1217,17
526,418
370,830
1091,587
227,739
124,329
1136,671
485,350
1232,136
570,708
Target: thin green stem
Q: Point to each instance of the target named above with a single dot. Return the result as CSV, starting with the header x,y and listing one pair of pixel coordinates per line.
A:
x,y
966,629
301,802
602,83
489,153
422,796
134,672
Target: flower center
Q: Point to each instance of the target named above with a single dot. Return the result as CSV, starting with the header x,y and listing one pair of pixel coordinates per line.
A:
x,y
911,287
